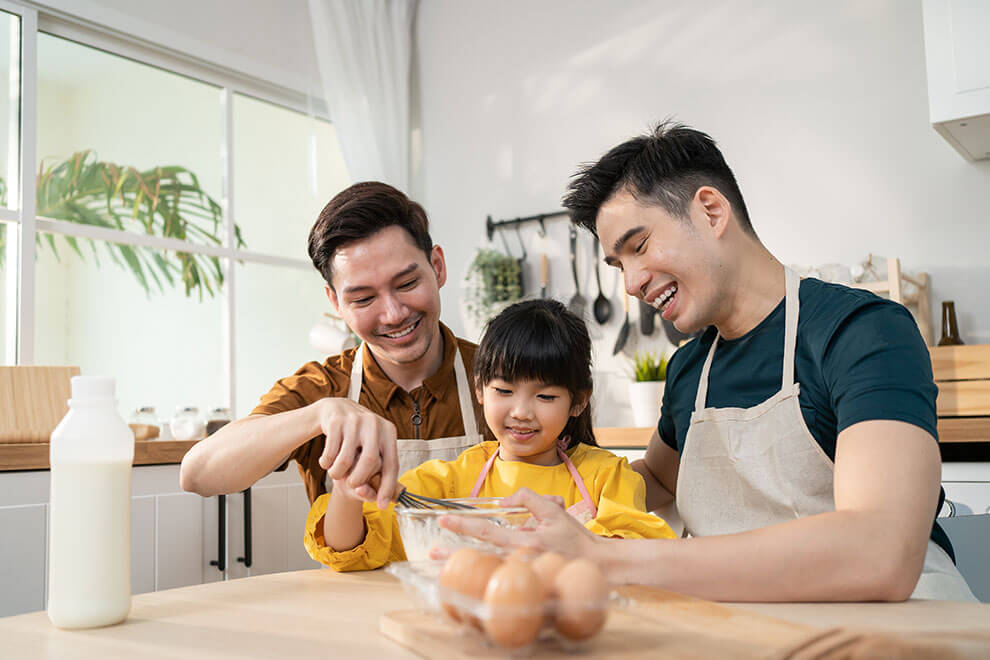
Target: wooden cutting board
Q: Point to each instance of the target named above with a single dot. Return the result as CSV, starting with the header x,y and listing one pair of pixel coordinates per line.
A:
x,y
33,400
656,624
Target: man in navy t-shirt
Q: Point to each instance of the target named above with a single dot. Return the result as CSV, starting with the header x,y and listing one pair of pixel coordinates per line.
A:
x,y
798,430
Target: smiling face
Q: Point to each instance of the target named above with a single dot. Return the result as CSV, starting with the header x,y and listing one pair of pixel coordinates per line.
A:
x,y
668,262
527,417
388,293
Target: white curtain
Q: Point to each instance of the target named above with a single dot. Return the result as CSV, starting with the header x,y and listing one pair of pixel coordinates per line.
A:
x,y
364,52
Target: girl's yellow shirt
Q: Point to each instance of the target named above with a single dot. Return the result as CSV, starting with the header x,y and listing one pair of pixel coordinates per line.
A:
x,y
618,491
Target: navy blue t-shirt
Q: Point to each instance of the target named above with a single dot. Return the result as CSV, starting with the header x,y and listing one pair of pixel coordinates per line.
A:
x,y
859,357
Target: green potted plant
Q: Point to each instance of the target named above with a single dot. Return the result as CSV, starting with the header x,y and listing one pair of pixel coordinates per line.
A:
x,y
492,283
649,372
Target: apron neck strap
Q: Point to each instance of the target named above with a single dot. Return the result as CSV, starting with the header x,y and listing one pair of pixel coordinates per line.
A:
x,y
460,382
792,286
565,459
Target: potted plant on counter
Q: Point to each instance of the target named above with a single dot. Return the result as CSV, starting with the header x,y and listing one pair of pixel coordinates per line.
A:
x,y
646,388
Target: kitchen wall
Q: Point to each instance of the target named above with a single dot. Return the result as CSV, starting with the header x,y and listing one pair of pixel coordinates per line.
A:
x,y
820,108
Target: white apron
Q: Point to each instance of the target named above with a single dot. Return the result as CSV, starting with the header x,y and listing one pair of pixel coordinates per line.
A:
x,y
414,452
747,468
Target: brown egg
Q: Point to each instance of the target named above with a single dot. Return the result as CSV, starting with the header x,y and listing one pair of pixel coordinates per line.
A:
x,y
466,572
546,567
582,598
515,601
523,554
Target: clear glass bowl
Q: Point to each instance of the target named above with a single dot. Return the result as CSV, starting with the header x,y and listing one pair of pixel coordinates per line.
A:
x,y
420,528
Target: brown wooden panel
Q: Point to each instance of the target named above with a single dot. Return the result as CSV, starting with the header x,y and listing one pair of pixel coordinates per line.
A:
x,y
34,456
963,398
32,402
964,429
961,362
623,436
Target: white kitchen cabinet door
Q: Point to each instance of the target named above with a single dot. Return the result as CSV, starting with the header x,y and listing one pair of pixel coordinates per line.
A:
x,y
180,546
278,517
268,529
143,536
22,556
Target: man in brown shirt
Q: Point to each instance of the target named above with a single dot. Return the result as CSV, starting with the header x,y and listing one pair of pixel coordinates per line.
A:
x,y
402,397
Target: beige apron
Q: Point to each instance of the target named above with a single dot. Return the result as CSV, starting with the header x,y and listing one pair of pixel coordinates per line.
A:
x,y
414,452
747,468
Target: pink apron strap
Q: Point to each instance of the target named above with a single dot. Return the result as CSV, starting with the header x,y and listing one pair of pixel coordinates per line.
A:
x,y
578,481
561,445
484,474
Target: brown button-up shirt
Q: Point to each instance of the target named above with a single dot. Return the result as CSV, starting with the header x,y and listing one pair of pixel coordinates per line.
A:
x,y
437,396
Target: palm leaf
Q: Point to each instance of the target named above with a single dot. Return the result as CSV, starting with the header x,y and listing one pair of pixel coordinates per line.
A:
x,y
165,201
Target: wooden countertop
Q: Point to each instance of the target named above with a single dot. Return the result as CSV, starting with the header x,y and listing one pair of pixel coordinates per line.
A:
x,y
34,455
320,614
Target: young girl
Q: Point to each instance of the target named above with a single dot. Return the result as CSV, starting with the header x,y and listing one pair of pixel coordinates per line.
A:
x,y
533,377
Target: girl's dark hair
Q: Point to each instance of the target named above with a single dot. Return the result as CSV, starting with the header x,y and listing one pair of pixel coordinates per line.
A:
x,y
540,340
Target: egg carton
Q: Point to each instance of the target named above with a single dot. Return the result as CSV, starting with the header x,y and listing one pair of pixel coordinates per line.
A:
x,y
421,581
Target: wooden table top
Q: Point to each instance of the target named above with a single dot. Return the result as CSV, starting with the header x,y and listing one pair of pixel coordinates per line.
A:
x,y
320,613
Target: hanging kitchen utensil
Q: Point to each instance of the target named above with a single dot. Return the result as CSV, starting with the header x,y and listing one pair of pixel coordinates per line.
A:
x,y
646,312
623,336
544,275
602,307
576,305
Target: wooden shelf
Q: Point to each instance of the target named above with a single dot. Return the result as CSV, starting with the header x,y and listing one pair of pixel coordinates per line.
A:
x,y
34,456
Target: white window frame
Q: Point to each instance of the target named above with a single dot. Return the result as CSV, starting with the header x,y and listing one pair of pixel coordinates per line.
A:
x,y
20,286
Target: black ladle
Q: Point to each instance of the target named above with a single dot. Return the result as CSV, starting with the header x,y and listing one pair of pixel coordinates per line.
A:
x,y
602,307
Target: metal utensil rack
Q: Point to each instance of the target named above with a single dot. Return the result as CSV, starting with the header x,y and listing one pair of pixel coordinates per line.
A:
x,y
492,225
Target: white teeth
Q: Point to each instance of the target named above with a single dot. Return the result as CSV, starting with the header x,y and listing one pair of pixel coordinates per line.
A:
x,y
403,333
664,298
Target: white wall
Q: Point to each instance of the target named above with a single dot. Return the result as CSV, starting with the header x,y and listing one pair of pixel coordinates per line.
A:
x,y
820,108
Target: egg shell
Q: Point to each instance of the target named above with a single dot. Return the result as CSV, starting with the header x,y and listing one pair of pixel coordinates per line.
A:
x,y
515,601
582,600
523,554
466,572
546,567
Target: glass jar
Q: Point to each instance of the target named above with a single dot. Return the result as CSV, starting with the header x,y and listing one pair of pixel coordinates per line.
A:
x,y
216,419
145,415
186,424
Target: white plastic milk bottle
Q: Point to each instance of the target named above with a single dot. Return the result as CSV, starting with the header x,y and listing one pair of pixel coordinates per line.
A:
x,y
89,542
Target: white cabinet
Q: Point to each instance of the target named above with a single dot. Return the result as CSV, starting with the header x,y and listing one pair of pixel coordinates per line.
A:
x,y
278,516
174,535
22,556
957,54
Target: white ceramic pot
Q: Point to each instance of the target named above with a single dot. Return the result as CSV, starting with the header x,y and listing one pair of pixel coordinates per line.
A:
x,y
644,397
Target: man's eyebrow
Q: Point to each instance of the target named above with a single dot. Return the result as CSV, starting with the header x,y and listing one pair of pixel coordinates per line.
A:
x,y
408,270
618,245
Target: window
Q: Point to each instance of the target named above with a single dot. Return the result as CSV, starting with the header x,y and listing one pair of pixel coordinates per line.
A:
x,y
158,260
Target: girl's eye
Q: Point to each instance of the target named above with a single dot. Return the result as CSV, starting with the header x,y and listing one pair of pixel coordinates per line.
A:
x,y
639,248
547,397
502,391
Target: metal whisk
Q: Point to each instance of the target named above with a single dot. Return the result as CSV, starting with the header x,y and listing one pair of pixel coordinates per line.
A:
x,y
414,501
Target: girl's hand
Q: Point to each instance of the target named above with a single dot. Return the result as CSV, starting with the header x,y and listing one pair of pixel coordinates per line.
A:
x,y
341,489
555,529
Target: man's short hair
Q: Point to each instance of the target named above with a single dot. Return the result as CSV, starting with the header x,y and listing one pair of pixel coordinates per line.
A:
x,y
361,211
664,167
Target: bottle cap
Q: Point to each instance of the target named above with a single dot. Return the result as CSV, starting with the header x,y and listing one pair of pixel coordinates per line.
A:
x,y
93,387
